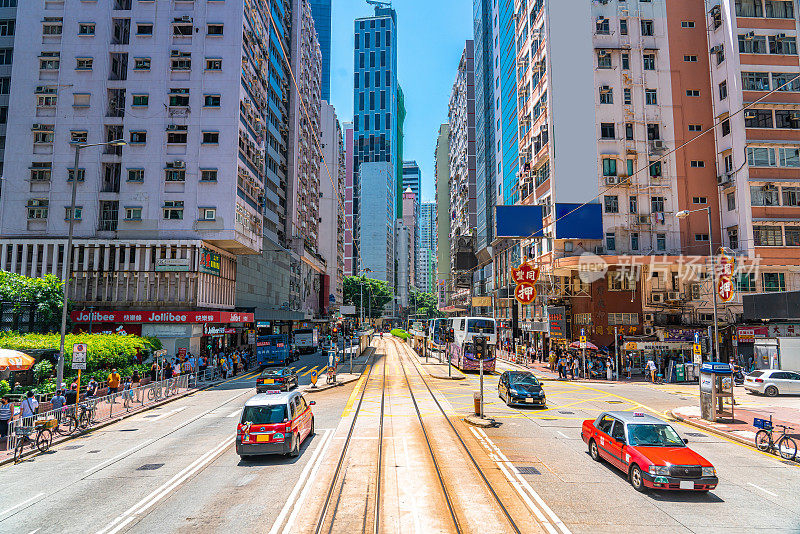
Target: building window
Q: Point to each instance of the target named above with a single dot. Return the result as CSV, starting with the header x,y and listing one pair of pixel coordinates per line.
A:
x,y
647,28
761,157
136,175
777,9
208,214
213,64
725,127
86,28
723,90
180,60
763,195
731,198
144,29
177,134
611,241
6,55
791,196
68,213
695,128
175,172
623,319
653,132
173,210
215,29
749,8
211,101
607,130
140,100
133,213
182,30
602,26
759,81
51,26
661,242
690,59
210,138
603,59
606,95
733,237
41,171
785,81
609,167
179,97
692,92
792,236
611,203
77,137
657,204
697,164
208,175
746,282
655,169
758,118
43,134
47,61
629,131
773,282
649,61
701,238
687,24
46,96
71,175
782,45
138,137
626,61
651,97
699,200
633,204
767,236
83,63
37,209
752,44
623,26
788,119
141,63
634,240
7,27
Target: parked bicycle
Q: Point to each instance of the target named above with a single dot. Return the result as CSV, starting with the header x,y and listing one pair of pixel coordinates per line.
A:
x,y
784,445
81,417
42,441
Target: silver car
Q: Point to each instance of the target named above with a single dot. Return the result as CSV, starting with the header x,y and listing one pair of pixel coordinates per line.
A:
x,y
772,382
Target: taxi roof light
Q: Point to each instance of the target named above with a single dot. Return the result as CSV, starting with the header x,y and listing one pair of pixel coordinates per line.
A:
x,y
638,414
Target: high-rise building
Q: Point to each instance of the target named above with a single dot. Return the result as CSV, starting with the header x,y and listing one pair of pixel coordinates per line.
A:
x,y
375,138
349,220
504,61
412,178
159,223
321,11
485,170
330,244
462,168
412,224
442,171
8,24
427,246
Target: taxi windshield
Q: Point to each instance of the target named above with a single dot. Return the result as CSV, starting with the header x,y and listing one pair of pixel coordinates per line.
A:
x,y
654,435
264,415
523,379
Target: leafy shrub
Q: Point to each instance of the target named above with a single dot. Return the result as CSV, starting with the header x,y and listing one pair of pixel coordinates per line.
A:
x,y
399,332
5,388
42,371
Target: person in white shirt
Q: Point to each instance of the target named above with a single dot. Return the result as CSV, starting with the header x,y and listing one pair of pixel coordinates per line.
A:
x,y
651,367
28,406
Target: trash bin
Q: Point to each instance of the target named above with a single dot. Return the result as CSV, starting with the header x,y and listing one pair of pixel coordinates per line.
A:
x,y
680,372
476,398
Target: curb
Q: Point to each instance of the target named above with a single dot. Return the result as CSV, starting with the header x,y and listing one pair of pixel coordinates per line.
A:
x,y
329,386
459,376
115,419
732,437
482,422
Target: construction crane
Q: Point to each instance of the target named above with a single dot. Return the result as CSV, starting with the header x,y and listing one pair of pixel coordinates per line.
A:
x,y
378,4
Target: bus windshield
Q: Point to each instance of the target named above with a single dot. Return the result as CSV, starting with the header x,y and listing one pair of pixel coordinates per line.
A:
x,y
480,326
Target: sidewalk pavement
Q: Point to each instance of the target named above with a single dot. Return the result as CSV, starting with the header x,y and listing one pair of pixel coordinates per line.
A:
x,y
342,378
437,369
543,369
741,429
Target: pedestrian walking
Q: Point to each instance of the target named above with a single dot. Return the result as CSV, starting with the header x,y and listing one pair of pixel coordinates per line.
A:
x,y
113,381
127,393
651,369
136,382
6,412
154,371
575,369
28,406
91,388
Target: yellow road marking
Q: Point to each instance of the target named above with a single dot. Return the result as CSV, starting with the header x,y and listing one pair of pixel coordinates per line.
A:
x,y
354,394
309,371
298,370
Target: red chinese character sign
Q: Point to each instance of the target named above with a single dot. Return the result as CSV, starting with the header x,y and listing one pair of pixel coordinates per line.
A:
x,y
725,288
525,276
525,293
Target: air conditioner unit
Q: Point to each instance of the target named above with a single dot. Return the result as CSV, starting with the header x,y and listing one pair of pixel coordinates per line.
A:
x,y
695,291
749,35
657,144
781,36
724,178
186,18
179,164
175,53
602,53
605,89
649,330
644,219
37,126
598,249
648,317
657,296
611,180
673,295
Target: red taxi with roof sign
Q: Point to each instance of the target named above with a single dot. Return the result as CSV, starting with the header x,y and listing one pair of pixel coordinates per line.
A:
x,y
274,423
649,450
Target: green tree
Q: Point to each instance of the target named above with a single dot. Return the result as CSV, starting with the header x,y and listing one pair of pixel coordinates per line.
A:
x,y
47,293
423,304
377,294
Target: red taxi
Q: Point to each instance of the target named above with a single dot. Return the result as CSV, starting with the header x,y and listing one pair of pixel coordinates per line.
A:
x,y
649,450
274,423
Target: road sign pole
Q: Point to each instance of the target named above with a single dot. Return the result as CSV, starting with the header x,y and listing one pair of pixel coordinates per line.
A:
x,y
78,394
481,387
616,350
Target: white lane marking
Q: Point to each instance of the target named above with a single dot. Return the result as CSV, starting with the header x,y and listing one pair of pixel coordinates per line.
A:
x,y
309,483
120,455
235,413
23,503
167,414
524,483
559,432
34,531
413,498
762,489
300,481
162,491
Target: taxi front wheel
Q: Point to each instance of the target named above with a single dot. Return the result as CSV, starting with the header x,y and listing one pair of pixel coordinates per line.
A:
x,y
636,479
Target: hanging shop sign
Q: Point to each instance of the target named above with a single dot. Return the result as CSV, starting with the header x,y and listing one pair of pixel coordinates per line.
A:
x,y
525,276
172,264
725,287
160,317
210,262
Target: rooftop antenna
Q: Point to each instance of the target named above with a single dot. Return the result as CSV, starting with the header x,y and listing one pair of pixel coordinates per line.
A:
x,y
379,4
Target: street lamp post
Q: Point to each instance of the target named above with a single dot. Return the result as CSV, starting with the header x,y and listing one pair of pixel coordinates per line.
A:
x,y
682,215
66,269
361,288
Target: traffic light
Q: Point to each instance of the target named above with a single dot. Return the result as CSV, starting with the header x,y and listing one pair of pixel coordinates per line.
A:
x,y
480,348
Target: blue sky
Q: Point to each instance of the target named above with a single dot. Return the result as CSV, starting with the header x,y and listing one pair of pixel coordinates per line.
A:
x,y
431,36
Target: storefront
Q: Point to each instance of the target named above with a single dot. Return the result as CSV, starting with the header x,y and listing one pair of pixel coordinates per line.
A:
x,y
759,347
673,359
192,331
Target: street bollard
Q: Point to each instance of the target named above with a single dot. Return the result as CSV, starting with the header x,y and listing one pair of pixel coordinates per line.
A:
x,y
476,398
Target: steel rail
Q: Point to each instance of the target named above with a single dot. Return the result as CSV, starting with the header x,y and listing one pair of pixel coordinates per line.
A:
x,y
464,445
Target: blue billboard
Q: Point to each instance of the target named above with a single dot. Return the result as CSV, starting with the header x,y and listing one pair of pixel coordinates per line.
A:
x,y
518,221
579,221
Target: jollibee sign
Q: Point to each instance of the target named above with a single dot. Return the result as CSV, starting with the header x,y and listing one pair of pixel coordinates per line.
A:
x,y
160,317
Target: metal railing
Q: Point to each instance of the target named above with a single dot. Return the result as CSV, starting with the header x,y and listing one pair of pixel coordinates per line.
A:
x,y
107,407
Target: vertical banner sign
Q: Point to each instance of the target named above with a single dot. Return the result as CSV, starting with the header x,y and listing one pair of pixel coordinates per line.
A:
x,y
525,276
725,287
79,356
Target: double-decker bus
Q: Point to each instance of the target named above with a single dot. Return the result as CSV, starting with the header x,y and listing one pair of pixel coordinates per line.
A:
x,y
461,352
436,330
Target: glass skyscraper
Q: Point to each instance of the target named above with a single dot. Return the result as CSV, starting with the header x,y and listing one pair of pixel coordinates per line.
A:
x,y
321,11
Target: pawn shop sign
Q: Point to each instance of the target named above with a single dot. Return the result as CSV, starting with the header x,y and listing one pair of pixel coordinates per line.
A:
x,y
525,274
525,293
725,289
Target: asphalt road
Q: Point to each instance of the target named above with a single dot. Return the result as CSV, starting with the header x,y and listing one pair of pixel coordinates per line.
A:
x,y
757,492
170,469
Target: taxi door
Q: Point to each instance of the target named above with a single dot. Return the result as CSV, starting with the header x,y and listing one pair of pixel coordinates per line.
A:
x,y
301,422
603,437
616,444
